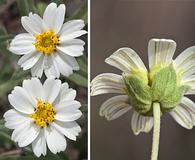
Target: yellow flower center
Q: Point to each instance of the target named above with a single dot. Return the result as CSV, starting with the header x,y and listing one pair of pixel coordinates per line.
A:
x,y
46,42
44,113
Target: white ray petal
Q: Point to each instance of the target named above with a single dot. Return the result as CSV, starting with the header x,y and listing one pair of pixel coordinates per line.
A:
x,y
62,66
29,60
22,44
69,129
49,15
71,26
72,35
34,88
13,119
115,107
39,145
59,19
37,69
141,123
51,89
50,67
32,24
107,83
182,116
189,105
56,142
21,101
160,51
126,60
184,63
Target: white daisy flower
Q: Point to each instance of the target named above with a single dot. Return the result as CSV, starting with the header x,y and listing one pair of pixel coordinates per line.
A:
x,y
50,44
150,93
43,115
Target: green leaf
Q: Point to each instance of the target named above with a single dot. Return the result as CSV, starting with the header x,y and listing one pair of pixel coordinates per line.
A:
x,y
40,8
2,30
58,1
139,93
84,108
81,14
4,38
13,157
16,79
82,61
25,7
78,79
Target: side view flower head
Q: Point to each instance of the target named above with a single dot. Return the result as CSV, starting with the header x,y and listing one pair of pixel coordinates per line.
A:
x,y
43,115
50,44
151,93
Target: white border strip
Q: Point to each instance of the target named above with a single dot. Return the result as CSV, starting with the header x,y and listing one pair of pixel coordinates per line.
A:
x,y
89,45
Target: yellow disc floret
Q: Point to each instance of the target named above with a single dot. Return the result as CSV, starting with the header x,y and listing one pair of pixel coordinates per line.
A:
x,y
46,42
44,113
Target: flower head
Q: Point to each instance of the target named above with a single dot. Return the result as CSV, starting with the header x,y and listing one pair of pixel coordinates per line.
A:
x,y
43,115
166,83
50,44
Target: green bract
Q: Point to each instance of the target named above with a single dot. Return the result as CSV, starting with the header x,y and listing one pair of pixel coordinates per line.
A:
x,y
163,87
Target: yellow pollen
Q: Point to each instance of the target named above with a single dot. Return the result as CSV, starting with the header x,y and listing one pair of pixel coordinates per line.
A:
x,y
46,42
44,113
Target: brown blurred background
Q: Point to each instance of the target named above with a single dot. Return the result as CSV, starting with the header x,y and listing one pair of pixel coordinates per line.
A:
x,y
131,23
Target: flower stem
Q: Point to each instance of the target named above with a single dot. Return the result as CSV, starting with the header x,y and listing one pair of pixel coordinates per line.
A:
x,y
156,131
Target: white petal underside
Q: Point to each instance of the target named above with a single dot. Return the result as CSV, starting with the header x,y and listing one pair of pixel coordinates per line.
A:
x,y
107,83
141,123
160,51
190,81
115,107
184,63
126,60
182,116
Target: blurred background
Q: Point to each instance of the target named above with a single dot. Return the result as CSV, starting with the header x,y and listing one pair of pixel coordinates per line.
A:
x,y
132,23
11,75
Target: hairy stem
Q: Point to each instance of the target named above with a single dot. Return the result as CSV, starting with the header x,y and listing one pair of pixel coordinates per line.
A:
x,y
156,131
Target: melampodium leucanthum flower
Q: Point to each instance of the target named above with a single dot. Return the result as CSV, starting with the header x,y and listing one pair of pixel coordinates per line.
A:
x,y
43,115
50,44
150,93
